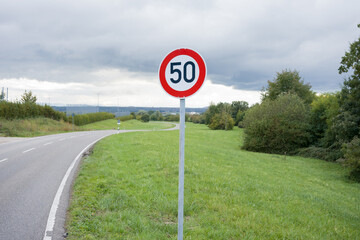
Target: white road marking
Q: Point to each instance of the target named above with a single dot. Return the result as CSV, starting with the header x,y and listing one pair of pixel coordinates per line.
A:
x,y
28,150
3,160
54,207
48,143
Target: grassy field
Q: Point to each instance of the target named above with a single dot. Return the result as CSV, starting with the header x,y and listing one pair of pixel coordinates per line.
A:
x,y
127,125
33,127
127,189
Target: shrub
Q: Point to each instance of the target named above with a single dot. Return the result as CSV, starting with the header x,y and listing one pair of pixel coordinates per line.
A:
x,y
84,119
126,118
219,116
326,154
172,118
145,117
197,118
323,110
351,152
17,110
277,126
221,122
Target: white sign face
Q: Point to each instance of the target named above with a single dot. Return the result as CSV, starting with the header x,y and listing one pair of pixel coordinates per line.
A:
x,y
181,73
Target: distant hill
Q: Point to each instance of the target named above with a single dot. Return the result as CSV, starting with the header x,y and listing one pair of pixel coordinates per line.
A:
x,y
120,111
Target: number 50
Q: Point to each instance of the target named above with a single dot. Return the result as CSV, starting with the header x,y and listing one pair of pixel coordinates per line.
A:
x,y
187,65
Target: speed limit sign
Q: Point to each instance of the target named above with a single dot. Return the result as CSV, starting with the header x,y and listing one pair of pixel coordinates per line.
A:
x,y
182,72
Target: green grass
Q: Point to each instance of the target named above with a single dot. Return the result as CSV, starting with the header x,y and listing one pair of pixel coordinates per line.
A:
x,y
33,127
127,189
128,125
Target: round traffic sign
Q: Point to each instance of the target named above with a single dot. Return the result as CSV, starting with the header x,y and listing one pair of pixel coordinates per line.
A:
x,y
182,72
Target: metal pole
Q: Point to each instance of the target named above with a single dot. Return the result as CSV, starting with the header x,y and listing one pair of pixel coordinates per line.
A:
x,y
181,169
73,121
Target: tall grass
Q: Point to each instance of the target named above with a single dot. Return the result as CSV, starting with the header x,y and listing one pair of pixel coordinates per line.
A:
x,y
33,127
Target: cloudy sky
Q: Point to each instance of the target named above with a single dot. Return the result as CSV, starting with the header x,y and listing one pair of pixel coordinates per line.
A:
x,y
82,52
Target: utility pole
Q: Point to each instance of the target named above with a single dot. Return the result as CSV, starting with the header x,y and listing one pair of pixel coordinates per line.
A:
x,y
98,108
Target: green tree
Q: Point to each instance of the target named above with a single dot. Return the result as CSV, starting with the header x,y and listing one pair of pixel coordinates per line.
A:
x,y
141,112
239,118
2,95
324,109
222,121
219,116
288,82
349,116
278,126
210,112
28,97
145,117
351,152
237,106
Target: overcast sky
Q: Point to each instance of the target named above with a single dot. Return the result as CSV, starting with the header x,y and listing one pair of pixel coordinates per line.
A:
x,y
82,52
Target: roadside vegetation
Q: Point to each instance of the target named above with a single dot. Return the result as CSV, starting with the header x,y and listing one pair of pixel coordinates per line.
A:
x,y
83,119
127,189
27,108
127,125
293,120
33,127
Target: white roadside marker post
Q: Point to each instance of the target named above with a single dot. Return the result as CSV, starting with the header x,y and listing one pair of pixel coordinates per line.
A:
x,y
182,72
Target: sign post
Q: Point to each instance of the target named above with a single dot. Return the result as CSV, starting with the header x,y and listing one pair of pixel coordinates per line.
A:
x,y
181,74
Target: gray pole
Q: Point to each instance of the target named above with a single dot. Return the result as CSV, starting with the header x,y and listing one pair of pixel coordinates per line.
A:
x,y
98,102
181,169
73,121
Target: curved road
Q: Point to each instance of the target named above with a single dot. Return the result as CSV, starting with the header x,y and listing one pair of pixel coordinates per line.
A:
x,y
31,171
35,182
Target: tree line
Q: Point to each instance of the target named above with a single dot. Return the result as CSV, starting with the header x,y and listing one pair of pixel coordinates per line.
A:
x,y
293,119
27,108
83,119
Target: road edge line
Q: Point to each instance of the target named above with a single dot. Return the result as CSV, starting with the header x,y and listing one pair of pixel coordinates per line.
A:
x,y
54,207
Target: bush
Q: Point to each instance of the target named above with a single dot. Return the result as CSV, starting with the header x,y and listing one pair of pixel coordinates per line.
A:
x,y
221,122
277,126
323,111
145,117
326,154
17,110
84,119
197,118
351,152
172,118
219,116
125,118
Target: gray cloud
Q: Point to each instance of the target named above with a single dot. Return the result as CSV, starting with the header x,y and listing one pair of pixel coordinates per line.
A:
x,y
244,43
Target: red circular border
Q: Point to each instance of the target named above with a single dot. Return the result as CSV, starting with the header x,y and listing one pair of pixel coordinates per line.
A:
x,y
198,84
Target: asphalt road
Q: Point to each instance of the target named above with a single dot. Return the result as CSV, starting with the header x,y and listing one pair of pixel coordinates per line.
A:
x,y
31,171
